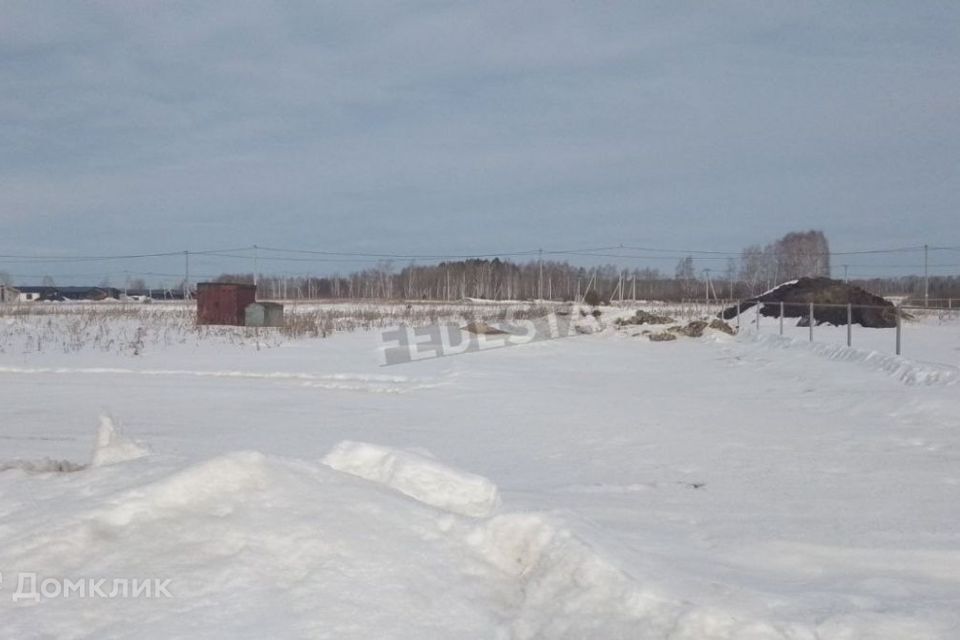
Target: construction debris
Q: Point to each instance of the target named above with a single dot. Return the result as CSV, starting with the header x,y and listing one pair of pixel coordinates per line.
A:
x,y
663,336
483,328
719,325
643,317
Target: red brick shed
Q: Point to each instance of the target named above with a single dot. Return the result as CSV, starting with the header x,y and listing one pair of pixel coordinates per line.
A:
x,y
224,302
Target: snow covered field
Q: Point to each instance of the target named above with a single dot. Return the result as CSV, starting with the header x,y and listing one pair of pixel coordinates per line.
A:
x,y
601,486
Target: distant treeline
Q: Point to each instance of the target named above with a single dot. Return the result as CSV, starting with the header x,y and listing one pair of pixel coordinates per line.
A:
x,y
503,280
941,287
795,255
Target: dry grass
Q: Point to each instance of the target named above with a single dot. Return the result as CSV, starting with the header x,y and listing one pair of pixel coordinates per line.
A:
x,y
130,328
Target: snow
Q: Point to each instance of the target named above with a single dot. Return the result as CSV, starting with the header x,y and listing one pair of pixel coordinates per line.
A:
x,y
601,486
422,479
774,288
111,447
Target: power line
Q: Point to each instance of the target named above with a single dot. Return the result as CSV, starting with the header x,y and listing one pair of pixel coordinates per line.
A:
x,y
648,253
133,256
397,256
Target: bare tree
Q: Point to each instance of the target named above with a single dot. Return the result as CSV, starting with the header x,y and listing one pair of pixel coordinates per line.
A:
x,y
752,267
686,275
731,276
802,254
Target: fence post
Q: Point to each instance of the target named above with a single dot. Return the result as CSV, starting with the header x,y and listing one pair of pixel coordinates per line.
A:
x,y
738,316
849,324
898,330
758,317
781,317
810,322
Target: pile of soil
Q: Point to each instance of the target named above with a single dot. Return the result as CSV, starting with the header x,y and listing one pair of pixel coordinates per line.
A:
x,y
482,328
642,317
694,329
797,296
663,336
719,325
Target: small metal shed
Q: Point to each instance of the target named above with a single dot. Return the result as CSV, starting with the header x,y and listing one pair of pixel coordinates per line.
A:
x,y
224,302
264,314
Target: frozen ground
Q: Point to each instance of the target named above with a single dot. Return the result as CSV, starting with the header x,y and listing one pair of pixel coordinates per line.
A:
x,y
601,486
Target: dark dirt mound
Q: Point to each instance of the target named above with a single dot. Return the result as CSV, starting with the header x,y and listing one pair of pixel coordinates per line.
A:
x,y
797,296
643,317
663,336
719,325
694,329
482,328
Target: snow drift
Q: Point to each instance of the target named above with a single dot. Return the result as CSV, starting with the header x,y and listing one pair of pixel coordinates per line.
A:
x,y
255,546
422,479
112,447
905,370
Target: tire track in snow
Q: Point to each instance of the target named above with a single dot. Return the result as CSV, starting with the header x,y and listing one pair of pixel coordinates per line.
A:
x,y
371,383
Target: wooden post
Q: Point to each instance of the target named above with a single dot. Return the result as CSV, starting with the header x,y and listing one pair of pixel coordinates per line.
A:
x,y
849,324
781,317
898,330
811,322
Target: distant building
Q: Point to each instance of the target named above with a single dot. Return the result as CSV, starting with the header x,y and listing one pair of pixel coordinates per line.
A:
x,y
48,293
35,294
88,294
264,314
8,294
154,294
224,302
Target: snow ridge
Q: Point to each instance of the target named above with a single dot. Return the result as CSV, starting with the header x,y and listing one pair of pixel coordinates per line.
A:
x,y
911,372
420,478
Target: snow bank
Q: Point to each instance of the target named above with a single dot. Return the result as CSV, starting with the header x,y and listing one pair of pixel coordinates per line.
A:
x,y
251,545
254,545
111,447
908,371
565,589
420,478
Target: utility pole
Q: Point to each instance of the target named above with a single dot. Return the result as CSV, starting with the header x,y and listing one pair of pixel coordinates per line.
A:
x,y
926,275
633,295
186,275
706,273
256,266
845,267
540,279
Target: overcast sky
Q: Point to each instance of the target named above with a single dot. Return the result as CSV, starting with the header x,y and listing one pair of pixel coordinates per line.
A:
x,y
474,127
